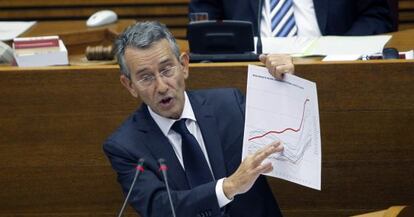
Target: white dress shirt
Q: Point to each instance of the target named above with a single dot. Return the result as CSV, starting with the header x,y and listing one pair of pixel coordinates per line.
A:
x,y
165,125
305,18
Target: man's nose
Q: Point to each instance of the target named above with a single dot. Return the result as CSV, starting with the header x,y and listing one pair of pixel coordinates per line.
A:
x,y
160,83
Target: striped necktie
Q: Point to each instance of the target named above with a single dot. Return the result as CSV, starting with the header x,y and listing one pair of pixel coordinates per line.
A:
x,y
283,19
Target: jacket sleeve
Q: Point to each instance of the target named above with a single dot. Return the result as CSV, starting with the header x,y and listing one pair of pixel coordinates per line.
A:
x,y
373,17
149,196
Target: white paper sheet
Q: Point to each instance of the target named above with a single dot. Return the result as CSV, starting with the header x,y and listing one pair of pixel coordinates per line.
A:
x,y
348,45
286,45
326,45
12,29
285,111
345,57
409,55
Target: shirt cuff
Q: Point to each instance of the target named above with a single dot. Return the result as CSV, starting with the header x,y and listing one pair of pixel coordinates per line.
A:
x,y
221,197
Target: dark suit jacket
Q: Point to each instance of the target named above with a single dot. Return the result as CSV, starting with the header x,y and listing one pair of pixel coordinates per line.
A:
x,y
335,17
220,115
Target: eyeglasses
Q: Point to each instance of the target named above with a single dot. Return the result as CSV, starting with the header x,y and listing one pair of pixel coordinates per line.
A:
x,y
147,79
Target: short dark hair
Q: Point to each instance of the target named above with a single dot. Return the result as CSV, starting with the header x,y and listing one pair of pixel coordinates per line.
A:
x,y
142,35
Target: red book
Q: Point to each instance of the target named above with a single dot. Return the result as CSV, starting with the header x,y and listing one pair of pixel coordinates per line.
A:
x,y
36,42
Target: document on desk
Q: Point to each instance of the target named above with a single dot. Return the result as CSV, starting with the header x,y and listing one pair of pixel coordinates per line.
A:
x,y
295,46
348,45
285,111
325,45
11,29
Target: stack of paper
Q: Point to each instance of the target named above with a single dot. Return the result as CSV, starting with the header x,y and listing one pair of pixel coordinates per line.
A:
x,y
338,47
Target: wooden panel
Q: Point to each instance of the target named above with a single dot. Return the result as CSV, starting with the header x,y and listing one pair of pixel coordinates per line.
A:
x,y
338,91
85,12
405,26
54,121
171,12
55,125
402,40
64,3
171,22
406,5
350,187
406,14
366,111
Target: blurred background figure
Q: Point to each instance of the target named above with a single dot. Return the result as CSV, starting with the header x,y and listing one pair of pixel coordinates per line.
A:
x,y
310,18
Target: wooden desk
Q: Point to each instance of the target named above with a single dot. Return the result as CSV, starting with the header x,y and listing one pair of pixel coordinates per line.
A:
x,y
53,121
76,35
390,212
402,40
373,214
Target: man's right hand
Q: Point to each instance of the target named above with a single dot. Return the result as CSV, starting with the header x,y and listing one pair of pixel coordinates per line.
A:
x,y
249,170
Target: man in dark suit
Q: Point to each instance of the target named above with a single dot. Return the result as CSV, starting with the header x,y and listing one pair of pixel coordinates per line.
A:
x,y
154,71
333,17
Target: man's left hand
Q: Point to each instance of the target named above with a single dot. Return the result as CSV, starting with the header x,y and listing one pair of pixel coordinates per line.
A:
x,y
278,64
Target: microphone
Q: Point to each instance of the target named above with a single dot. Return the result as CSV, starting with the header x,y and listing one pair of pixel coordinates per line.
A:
x,y
259,48
163,169
139,169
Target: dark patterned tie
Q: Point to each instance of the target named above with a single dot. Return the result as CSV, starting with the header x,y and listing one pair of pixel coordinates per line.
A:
x,y
195,164
283,19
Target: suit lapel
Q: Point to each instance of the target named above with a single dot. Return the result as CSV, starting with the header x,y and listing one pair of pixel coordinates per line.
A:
x,y
160,147
321,11
208,126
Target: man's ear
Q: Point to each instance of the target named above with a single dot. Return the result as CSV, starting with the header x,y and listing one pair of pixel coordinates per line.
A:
x,y
126,82
185,61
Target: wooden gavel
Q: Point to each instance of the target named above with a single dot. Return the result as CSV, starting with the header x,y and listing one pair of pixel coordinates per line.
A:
x,y
99,52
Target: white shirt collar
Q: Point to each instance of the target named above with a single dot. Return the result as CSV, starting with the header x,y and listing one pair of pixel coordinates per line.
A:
x,y
166,123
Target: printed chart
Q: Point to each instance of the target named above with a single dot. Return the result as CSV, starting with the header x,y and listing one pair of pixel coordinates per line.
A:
x,y
284,111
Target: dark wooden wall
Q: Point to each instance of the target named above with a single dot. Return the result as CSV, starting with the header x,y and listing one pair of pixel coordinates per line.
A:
x,y
54,121
52,127
171,12
406,14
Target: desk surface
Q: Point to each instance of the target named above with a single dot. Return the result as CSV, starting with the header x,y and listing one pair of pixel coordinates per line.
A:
x,y
72,27
77,36
393,211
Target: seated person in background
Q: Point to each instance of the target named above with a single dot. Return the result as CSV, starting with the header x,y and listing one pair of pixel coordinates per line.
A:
x,y
198,133
281,18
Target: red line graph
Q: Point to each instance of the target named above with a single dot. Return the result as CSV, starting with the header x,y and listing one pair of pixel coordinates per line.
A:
x,y
284,130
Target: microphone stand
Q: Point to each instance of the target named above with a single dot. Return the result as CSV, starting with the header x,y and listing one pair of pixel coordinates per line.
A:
x,y
259,47
139,169
163,169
